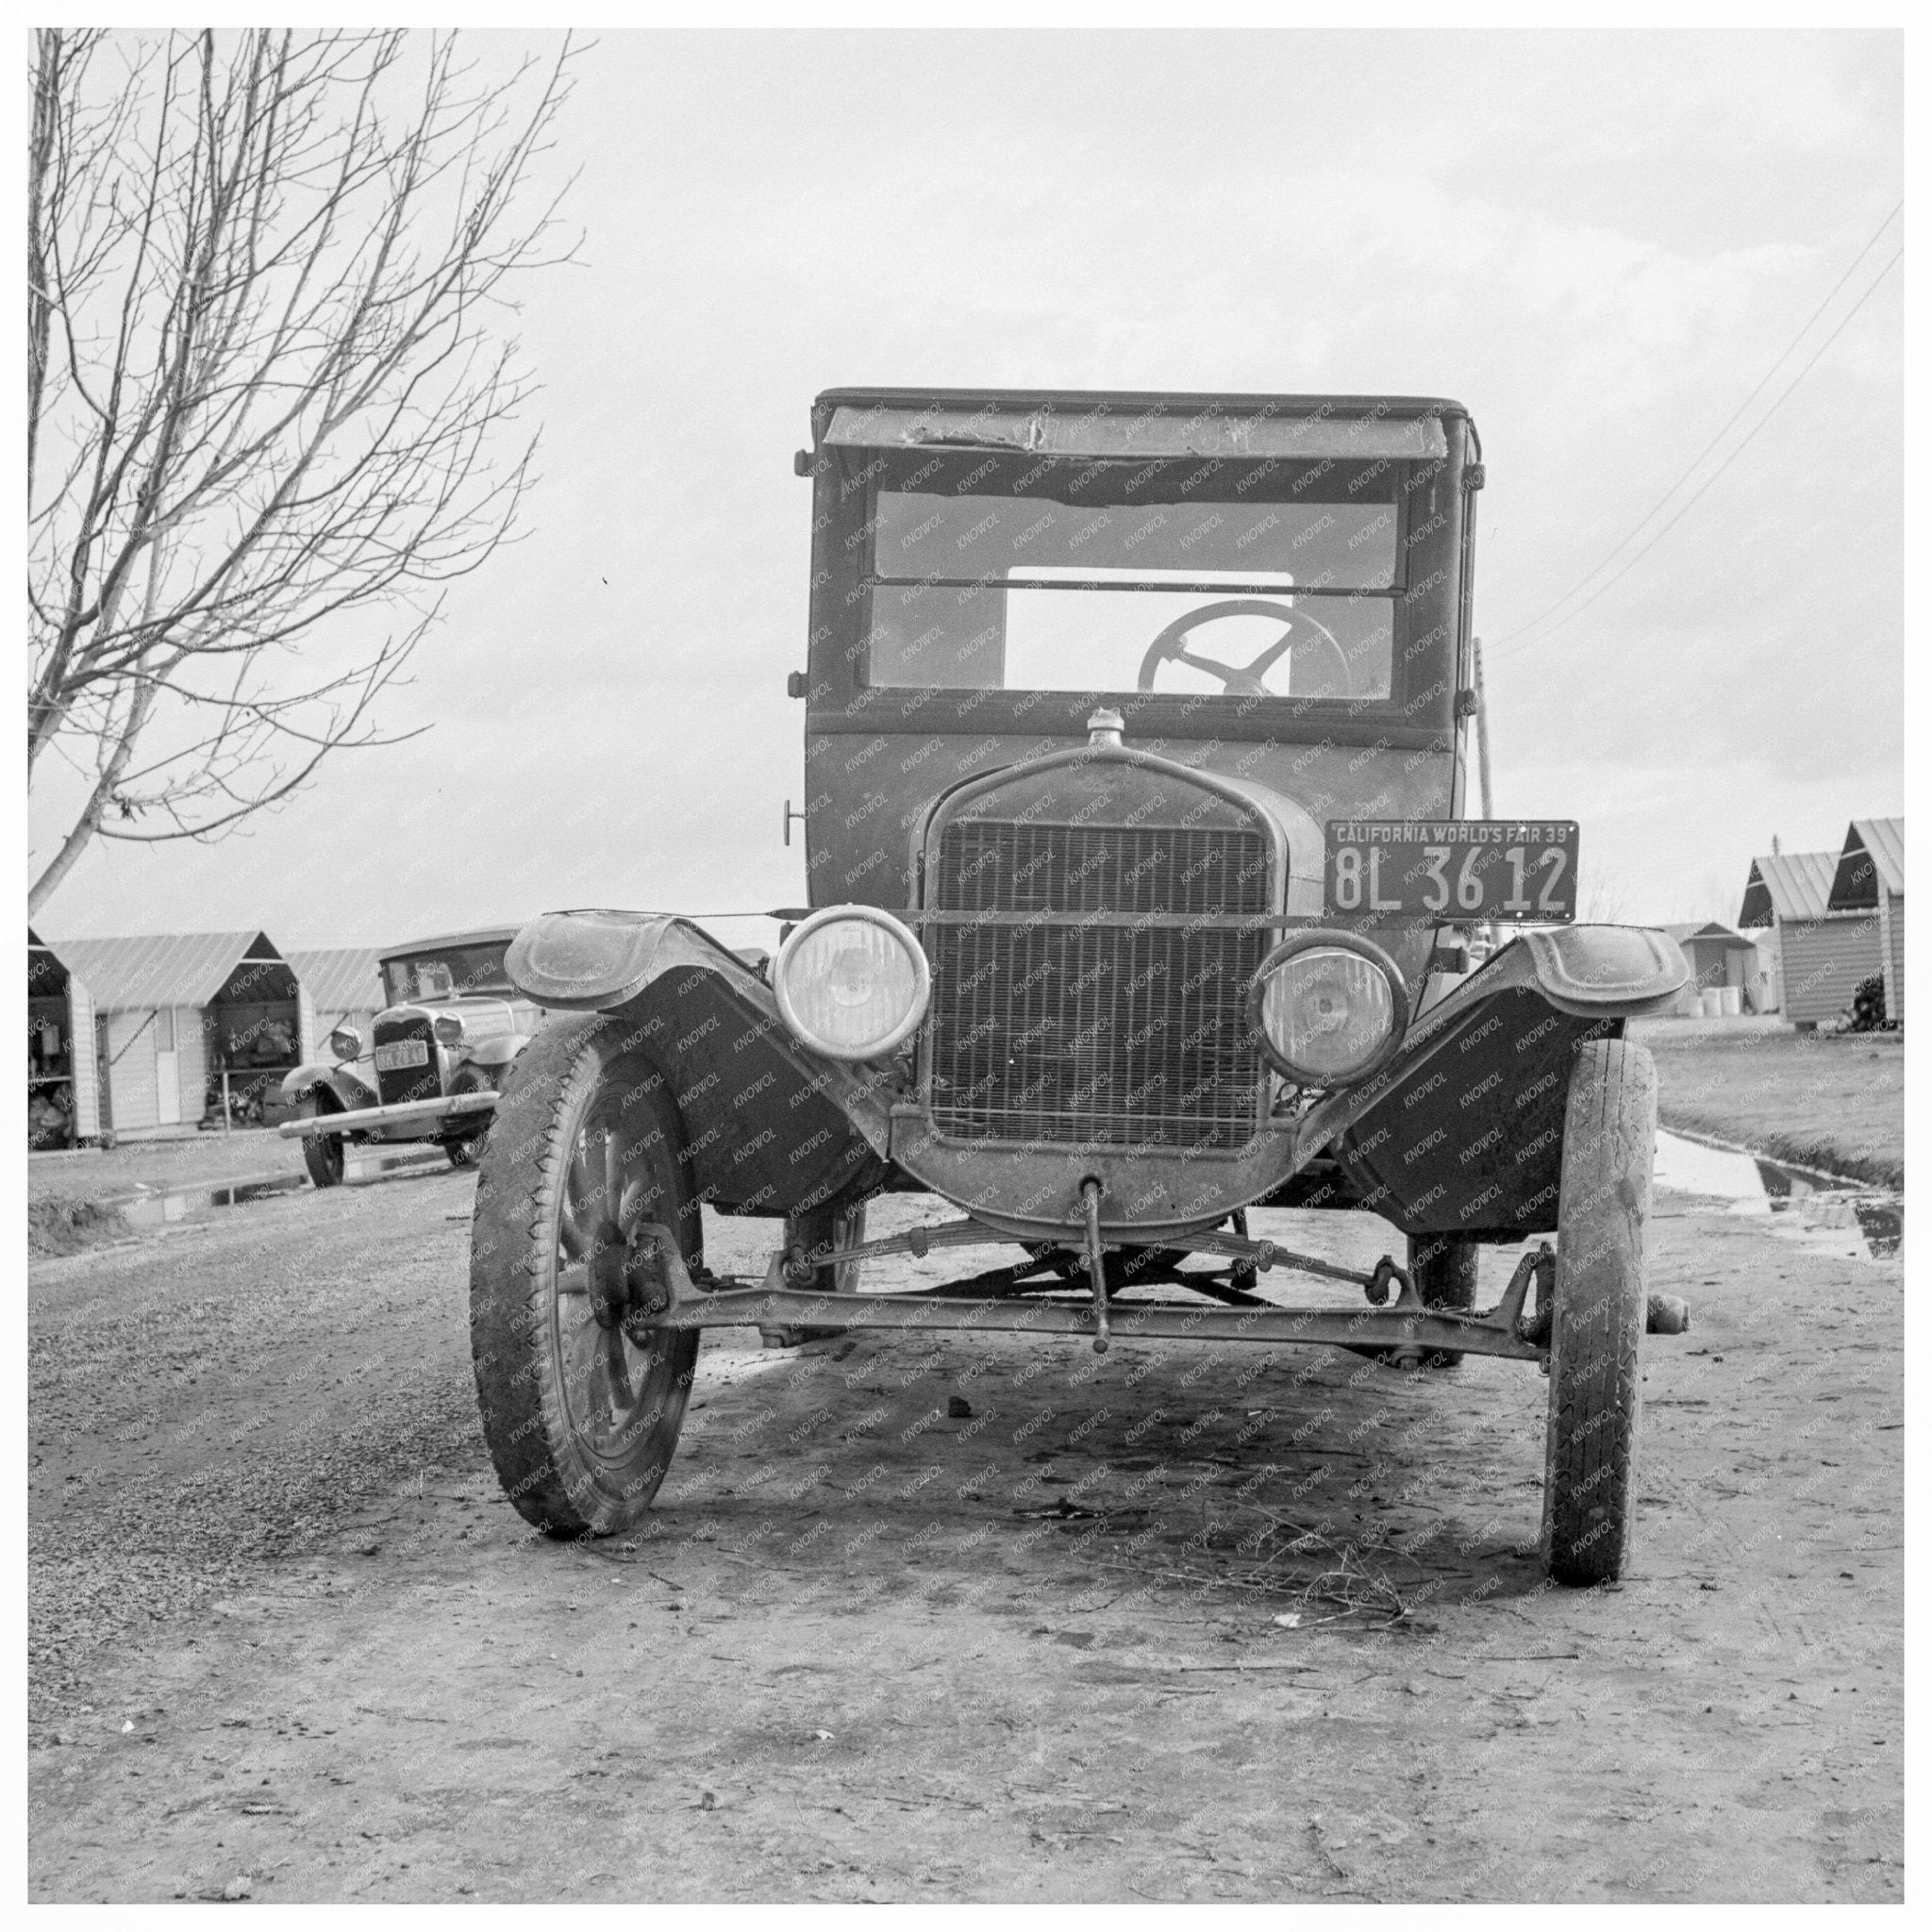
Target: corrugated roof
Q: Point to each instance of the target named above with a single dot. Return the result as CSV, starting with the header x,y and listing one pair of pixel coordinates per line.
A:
x,y
342,980
182,969
1790,884
1705,929
1873,854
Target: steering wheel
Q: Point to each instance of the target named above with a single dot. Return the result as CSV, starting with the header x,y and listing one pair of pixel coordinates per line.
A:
x,y
1238,681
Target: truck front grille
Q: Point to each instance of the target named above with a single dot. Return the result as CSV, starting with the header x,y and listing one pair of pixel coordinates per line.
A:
x,y
408,1083
1063,1031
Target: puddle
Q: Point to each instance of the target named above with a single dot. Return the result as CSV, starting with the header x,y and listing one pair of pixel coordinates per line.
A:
x,y
1841,1218
1837,1217
161,1208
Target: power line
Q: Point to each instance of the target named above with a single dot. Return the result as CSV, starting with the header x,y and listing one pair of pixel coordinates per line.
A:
x,y
1691,468
1529,643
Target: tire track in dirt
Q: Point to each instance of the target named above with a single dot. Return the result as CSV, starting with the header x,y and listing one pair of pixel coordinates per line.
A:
x,y
869,1648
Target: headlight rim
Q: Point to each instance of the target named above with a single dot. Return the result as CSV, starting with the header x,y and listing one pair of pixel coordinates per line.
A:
x,y
1308,940
907,939
353,1036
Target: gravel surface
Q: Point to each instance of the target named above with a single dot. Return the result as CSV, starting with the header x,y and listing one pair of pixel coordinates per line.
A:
x,y
1180,1623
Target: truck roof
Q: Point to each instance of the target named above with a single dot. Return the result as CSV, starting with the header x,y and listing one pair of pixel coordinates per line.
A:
x,y
1115,421
483,936
1157,402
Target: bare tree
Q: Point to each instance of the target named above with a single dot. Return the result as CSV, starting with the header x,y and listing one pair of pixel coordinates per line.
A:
x,y
266,374
1604,901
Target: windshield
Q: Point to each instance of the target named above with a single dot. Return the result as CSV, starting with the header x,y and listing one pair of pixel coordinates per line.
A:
x,y
1198,577
448,972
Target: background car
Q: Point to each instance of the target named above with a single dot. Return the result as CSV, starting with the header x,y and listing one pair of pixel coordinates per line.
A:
x,y
436,1056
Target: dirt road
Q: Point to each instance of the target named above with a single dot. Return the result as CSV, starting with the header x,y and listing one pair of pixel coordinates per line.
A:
x,y
288,1641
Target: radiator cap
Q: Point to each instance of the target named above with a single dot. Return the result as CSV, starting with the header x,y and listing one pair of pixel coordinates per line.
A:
x,y
1105,727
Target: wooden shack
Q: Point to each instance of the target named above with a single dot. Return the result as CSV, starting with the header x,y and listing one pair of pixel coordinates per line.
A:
x,y
63,1109
1821,953
175,1012
1870,882
1718,957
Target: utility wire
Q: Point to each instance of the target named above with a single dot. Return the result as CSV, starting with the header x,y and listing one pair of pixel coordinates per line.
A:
x,y
1691,469
1529,643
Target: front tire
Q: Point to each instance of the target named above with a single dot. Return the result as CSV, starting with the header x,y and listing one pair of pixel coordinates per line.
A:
x,y
322,1154
1597,1318
581,1419
1444,1271
821,1233
468,1151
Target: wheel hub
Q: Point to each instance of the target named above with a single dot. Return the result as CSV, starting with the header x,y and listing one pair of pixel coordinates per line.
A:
x,y
609,1275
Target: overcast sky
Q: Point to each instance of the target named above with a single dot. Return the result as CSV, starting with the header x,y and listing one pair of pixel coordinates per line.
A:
x,y
1598,243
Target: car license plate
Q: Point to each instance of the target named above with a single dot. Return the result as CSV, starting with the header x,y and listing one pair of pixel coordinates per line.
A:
x,y
402,1053
1460,870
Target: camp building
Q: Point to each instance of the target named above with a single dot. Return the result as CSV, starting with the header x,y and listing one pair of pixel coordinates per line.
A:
x,y
60,1110
345,987
1838,918
169,1015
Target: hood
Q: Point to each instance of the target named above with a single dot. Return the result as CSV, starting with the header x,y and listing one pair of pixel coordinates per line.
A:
x,y
1107,784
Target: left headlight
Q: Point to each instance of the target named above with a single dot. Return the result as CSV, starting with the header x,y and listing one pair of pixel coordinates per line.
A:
x,y
345,1044
1330,1009
449,1028
851,982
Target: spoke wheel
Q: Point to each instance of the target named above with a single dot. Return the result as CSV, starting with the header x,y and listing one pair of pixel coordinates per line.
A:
x,y
582,1408
1598,1313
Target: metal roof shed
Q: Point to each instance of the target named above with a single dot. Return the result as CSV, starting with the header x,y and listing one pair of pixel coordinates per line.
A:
x,y
1719,957
1822,955
62,1104
1870,880
343,984
1787,885
174,1011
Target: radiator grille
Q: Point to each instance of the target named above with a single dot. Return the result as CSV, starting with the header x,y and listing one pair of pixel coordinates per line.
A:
x,y
408,1083
1064,1032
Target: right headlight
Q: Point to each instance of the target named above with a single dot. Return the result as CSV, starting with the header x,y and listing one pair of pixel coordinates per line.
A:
x,y
1329,1007
851,982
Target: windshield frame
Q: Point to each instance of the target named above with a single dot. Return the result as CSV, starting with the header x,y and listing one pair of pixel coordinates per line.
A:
x,y
499,987
1430,585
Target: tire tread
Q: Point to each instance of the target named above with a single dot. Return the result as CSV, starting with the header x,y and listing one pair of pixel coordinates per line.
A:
x,y
1595,1371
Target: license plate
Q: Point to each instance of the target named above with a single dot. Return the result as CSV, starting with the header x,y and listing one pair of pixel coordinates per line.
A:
x,y
402,1053
1464,869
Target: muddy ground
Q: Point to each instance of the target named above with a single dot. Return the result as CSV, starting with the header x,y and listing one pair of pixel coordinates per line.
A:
x,y
288,1641
1829,1100
155,1166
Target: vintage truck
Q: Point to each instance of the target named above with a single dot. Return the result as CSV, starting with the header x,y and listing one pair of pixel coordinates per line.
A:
x,y
1140,868
430,1072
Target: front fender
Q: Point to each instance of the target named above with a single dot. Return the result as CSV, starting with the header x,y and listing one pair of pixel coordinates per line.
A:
x,y
498,1051
768,1126
1463,1132
340,1081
